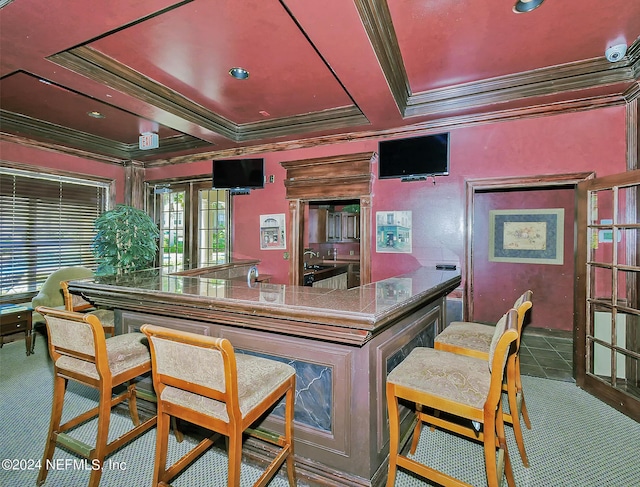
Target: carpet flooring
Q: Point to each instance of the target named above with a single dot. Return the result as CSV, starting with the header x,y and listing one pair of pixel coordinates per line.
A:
x,y
576,440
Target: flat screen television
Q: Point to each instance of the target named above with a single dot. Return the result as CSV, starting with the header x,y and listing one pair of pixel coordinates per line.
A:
x,y
414,158
238,174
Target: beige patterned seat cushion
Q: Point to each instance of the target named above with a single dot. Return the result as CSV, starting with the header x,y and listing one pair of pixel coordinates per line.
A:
x,y
123,351
106,316
465,334
257,377
444,374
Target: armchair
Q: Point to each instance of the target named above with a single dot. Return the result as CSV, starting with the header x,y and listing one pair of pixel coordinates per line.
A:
x,y
50,295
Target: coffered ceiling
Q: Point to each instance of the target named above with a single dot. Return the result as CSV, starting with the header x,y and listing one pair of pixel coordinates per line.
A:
x,y
319,71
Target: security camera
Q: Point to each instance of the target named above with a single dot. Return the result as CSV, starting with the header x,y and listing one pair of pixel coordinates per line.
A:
x,y
615,53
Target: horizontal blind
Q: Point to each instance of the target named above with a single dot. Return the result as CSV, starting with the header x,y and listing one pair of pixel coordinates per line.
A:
x,y
46,222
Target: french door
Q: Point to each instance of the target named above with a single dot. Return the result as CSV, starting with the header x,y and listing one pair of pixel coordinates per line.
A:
x,y
194,225
607,309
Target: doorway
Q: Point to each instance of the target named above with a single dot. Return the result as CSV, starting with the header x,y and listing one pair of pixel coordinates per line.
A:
x,y
482,196
332,235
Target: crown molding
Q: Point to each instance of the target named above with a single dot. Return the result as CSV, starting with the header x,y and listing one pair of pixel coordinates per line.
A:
x,y
376,19
94,65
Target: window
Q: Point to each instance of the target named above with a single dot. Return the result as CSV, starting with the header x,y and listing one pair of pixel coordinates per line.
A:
x,y
172,228
46,222
213,232
194,224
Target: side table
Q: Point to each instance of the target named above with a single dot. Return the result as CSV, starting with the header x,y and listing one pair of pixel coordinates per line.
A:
x,y
15,318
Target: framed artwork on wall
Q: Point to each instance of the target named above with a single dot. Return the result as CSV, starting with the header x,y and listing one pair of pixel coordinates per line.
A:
x,y
272,232
527,236
393,232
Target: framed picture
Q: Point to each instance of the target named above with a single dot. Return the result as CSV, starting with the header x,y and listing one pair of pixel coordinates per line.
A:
x,y
393,231
272,232
527,236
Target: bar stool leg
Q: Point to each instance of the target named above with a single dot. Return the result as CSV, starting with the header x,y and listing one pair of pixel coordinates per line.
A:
x,y
59,388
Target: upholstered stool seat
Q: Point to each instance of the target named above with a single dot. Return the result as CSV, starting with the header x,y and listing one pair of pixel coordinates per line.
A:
x,y
466,334
257,378
474,340
124,352
467,389
80,352
460,379
204,381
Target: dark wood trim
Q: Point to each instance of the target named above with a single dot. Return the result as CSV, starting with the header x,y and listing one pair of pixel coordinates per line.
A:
x,y
422,128
366,238
496,184
101,68
134,194
376,19
633,134
38,129
377,22
545,81
347,176
63,136
623,402
296,240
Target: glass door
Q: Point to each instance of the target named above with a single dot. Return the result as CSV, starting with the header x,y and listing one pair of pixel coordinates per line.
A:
x,y
608,327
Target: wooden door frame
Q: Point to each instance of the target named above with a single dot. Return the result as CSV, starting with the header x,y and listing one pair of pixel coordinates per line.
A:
x,y
509,183
333,178
297,210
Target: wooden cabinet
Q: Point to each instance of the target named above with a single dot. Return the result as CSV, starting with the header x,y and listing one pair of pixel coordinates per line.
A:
x,y
16,318
353,276
350,226
335,282
333,226
318,225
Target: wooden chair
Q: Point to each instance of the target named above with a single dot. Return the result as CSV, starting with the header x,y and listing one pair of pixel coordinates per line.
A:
x,y
467,389
76,303
474,340
80,352
202,380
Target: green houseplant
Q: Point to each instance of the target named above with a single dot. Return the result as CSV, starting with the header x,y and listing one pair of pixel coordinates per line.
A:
x,y
126,240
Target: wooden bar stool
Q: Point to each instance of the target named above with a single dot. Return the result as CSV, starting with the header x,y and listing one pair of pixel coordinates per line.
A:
x,y
202,380
81,353
474,340
75,302
466,388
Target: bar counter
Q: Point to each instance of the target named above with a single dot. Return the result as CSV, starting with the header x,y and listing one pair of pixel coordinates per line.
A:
x,y
342,343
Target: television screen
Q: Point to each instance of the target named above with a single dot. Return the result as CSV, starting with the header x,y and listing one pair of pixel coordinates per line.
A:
x,y
238,173
414,157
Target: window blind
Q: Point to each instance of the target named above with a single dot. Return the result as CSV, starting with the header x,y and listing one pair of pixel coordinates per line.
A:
x,y
46,222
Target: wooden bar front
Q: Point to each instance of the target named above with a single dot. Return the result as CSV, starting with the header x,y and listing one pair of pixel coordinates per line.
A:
x,y
342,343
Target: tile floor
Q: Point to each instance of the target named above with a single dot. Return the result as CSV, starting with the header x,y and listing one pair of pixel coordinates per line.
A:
x,y
547,354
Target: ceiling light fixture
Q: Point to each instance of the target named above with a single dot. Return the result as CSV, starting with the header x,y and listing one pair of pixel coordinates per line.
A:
x,y
523,6
95,114
239,73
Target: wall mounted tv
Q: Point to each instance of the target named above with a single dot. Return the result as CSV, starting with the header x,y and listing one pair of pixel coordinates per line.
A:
x,y
238,175
415,158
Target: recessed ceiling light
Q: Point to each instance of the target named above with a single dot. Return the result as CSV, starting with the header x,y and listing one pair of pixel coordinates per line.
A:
x,y
523,6
95,114
239,73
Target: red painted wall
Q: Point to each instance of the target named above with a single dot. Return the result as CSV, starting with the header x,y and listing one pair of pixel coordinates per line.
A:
x,y
498,284
55,160
592,140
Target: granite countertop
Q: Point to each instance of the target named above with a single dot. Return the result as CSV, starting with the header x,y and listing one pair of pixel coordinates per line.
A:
x,y
364,303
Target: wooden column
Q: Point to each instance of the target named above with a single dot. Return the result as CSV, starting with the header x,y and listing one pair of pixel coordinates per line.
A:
x,y
134,194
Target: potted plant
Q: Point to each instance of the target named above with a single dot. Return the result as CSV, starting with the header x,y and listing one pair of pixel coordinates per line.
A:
x,y
126,240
